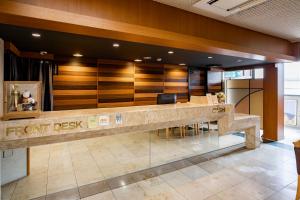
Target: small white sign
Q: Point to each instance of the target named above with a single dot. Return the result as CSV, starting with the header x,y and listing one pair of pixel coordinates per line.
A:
x,y
119,119
103,120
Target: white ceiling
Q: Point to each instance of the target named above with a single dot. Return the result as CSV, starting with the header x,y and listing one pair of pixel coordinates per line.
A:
x,y
280,18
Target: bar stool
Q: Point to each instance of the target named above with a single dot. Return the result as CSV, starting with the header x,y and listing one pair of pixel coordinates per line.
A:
x,y
297,155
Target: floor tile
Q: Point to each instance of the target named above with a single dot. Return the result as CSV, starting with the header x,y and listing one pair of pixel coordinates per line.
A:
x,y
210,166
102,196
129,192
94,188
175,178
71,194
194,172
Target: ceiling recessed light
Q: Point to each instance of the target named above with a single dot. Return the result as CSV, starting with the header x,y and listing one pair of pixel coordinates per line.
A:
x,y
147,58
36,35
77,55
170,52
137,60
158,59
209,57
43,52
182,64
116,45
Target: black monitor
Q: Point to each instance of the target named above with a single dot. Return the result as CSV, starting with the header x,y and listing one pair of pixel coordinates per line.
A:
x,y
166,98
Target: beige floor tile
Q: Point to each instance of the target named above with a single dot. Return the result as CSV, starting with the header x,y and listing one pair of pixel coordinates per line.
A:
x,y
211,166
214,197
234,194
255,189
194,190
175,178
194,172
60,182
130,192
7,190
88,175
30,187
102,196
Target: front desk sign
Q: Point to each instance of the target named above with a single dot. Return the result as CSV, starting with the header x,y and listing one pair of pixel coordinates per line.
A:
x,y
66,126
28,130
103,120
34,130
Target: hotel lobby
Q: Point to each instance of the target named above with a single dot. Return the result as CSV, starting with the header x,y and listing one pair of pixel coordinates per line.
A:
x,y
149,99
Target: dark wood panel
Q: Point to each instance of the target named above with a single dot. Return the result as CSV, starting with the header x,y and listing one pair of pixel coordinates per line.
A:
x,y
149,81
115,83
174,76
75,87
214,81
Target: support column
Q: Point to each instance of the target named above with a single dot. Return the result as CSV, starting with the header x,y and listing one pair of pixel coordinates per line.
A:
x,y
273,103
1,97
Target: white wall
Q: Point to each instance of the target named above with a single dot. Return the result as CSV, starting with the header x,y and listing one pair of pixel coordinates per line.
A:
x,y
13,162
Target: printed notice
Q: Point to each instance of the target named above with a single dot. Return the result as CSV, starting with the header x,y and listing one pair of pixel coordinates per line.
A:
x,y
92,122
103,120
119,119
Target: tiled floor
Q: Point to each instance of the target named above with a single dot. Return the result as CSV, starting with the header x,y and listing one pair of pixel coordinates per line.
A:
x,y
267,173
66,166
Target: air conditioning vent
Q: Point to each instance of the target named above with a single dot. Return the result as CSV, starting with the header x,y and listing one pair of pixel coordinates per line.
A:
x,y
226,7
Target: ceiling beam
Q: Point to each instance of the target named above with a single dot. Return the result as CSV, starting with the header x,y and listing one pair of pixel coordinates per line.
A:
x,y
32,16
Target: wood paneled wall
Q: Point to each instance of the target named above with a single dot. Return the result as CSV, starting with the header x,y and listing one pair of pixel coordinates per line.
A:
x,y
214,81
75,87
109,83
176,81
197,82
115,83
149,81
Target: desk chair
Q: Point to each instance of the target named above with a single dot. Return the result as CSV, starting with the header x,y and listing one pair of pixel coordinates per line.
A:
x,y
202,100
167,99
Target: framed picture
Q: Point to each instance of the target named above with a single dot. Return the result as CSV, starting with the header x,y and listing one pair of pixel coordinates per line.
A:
x,y
22,99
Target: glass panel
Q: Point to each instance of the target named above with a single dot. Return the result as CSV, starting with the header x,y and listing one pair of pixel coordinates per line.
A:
x,y
259,73
290,112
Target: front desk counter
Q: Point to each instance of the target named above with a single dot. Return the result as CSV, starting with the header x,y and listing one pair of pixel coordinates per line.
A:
x,y
62,126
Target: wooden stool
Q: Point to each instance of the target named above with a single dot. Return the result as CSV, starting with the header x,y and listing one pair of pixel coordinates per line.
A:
x,y
297,155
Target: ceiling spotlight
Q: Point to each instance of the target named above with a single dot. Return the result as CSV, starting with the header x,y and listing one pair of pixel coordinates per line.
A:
x,y
36,35
77,55
182,64
209,57
170,52
147,58
137,60
158,59
43,52
116,45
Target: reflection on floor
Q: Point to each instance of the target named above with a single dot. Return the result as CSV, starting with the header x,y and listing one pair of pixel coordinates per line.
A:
x,y
291,134
58,167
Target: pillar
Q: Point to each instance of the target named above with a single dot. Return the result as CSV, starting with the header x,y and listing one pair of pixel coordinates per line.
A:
x,y
273,102
1,95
